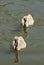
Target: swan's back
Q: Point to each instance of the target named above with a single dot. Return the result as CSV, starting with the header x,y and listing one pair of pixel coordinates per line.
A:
x,y
30,19
21,43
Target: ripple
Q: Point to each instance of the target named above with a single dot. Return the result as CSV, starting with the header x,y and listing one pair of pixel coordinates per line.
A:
x,y
9,3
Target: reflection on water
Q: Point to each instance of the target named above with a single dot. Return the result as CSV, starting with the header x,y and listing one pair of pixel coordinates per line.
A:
x,y
25,33
25,30
16,56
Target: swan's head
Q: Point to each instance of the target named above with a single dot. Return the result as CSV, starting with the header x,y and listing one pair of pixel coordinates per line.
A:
x,y
24,22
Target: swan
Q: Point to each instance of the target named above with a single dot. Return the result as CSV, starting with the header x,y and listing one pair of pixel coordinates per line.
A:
x,y
27,20
19,43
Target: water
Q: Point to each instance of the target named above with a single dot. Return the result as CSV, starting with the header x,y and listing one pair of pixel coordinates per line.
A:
x,y
11,13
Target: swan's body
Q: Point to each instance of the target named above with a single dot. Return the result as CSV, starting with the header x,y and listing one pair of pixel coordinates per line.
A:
x,y
19,44
27,20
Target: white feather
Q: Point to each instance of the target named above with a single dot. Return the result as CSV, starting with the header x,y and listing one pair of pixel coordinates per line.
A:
x,y
21,43
29,20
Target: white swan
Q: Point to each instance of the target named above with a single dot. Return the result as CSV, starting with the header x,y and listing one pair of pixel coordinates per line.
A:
x,y
19,43
27,20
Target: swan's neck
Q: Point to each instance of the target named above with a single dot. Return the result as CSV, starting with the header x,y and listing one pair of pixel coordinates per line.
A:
x,y
16,44
24,23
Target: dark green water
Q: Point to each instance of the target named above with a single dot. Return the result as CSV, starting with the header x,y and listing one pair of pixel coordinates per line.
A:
x,y
11,12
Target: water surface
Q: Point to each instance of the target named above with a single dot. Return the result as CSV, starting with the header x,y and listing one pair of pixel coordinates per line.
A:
x,y
11,13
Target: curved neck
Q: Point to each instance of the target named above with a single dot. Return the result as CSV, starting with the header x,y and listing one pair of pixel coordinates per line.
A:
x,y
16,44
24,23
